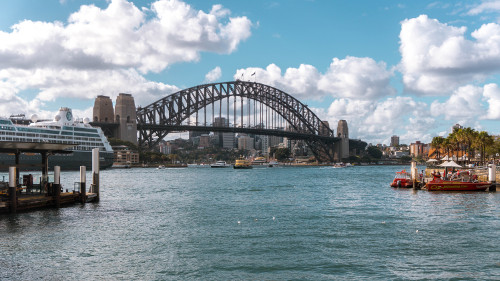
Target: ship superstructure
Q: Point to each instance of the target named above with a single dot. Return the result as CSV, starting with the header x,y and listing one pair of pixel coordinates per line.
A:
x,y
62,129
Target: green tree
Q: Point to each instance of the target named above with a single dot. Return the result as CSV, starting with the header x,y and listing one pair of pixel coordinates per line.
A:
x,y
437,144
374,152
282,154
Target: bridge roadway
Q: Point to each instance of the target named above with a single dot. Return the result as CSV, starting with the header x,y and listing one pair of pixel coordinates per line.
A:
x,y
268,132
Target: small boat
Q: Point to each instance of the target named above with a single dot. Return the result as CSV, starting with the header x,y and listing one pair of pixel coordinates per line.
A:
x,y
402,179
220,164
273,163
459,181
202,165
242,163
160,167
339,165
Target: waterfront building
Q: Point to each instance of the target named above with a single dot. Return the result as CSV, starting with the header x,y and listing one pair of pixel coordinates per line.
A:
x,y
123,156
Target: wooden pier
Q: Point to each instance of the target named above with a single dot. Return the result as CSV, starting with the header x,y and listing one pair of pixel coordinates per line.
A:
x,y
26,196
28,202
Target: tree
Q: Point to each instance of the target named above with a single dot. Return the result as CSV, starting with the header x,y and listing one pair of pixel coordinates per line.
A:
x,y
282,154
437,143
374,152
483,141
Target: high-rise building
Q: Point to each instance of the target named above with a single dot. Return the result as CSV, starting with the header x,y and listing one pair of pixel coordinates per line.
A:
x,y
394,141
245,143
226,140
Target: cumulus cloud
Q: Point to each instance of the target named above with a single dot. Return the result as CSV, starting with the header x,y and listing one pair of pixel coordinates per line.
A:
x,y
492,96
122,35
213,75
107,51
438,58
351,77
464,105
375,121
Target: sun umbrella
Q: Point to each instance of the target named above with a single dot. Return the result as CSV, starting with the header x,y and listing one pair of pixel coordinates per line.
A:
x,y
450,164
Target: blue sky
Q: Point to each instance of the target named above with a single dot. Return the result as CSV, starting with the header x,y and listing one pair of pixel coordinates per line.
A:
x,y
410,68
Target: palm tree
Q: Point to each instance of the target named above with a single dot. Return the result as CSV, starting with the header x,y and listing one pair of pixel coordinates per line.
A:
x,y
437,144
482,141
470,135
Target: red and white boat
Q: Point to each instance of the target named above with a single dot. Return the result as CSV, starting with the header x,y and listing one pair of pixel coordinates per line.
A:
x,y
459,181
402,179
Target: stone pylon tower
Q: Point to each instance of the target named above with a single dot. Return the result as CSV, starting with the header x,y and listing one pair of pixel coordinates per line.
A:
x,y
103,110
343,145
125,116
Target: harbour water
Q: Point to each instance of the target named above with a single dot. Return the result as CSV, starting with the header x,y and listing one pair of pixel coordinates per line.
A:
x,y
286,223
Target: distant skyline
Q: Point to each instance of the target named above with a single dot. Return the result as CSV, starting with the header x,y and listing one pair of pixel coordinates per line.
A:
x,y
406,68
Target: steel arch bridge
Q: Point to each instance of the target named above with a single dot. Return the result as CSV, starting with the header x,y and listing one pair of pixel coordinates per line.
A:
x,y
253,107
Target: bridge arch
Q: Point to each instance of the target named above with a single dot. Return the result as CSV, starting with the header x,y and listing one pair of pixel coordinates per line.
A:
x,y
178,112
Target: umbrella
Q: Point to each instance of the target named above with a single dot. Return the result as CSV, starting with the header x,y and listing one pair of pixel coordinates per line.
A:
x,y
444,164
450,164
446,158
432,160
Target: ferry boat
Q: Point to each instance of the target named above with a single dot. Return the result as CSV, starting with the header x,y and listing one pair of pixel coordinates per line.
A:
x,y
402,179
459,181
258,161
242,163
220,164
63,129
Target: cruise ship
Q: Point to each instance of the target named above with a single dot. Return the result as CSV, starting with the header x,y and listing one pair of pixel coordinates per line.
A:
x,y
63,129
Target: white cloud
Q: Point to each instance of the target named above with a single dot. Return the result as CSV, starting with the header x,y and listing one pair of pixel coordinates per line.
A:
x,y
486,6
80,84
438,58
492,95
351,77
463,106
213,75
375,121
110,49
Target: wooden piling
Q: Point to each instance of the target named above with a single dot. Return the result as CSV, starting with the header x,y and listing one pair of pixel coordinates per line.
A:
x,y
57,185
13,189
95,172
83,192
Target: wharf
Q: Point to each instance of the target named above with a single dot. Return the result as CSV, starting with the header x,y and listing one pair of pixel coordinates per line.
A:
x,y
29,202
26,195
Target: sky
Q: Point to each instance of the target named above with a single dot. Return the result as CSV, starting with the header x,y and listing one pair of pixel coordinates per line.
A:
x,y
406,68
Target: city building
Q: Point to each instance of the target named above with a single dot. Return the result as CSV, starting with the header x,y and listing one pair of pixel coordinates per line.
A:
x,y
395,140
124,157
225,140
245,142
204,141
419,149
